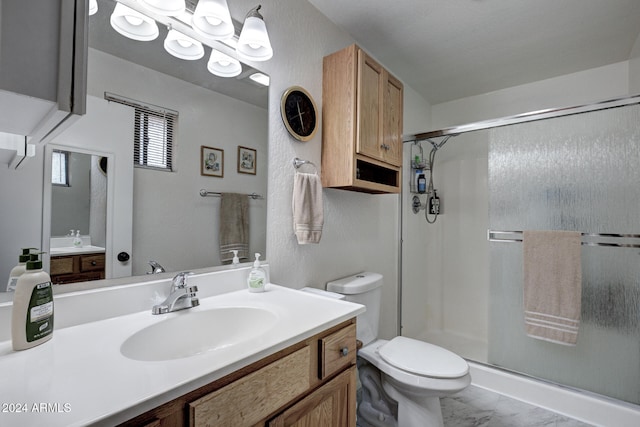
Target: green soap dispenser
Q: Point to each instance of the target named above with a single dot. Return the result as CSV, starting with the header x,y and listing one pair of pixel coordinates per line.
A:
x,y
19,269
32,313
257,279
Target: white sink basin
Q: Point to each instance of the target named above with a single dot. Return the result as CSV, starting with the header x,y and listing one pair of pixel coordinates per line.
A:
x,y
192,332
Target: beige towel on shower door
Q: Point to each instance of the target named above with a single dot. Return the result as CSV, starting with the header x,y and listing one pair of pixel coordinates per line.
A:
x,y
308,213
552,285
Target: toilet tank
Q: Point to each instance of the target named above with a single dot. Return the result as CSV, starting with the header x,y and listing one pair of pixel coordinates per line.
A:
x,y
366,289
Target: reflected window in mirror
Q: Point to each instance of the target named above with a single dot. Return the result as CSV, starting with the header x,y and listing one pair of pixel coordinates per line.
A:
x,y
60,168
153,133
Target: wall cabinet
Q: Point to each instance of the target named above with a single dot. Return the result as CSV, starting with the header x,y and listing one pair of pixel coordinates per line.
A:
x,y
77,268
361,124
43,66
309,383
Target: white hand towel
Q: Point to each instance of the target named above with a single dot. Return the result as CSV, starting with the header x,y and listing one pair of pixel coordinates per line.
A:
x,y
308,214
552,285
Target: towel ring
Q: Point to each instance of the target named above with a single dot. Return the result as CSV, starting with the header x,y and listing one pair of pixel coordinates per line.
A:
x,y
297,163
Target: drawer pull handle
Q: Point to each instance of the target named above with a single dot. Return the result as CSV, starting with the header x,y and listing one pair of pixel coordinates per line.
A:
x,y
94,263
344,351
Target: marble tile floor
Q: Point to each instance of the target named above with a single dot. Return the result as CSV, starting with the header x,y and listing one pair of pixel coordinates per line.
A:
x,y
477,407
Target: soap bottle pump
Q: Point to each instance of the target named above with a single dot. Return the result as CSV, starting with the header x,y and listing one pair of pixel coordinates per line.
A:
x,y
257,277
235,262
77,240
18,270
32,313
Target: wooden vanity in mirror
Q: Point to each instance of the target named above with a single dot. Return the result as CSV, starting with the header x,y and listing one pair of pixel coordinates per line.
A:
x,y
77,268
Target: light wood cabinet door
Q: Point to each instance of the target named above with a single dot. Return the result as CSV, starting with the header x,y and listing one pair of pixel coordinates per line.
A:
x,y
379,120
369,107
392,120
252,398
332,405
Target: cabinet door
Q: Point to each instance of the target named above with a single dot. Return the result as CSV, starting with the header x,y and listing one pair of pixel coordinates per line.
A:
x,y
392,120
332,405
255,396
370,99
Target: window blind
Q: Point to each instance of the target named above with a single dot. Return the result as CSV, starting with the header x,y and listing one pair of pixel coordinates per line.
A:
x,y
153,133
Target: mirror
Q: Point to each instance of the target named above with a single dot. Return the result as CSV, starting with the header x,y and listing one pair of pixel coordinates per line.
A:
x,y
78,210
172,223
78,196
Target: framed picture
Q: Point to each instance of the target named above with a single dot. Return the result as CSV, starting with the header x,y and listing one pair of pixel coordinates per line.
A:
x,y
246,160
211,161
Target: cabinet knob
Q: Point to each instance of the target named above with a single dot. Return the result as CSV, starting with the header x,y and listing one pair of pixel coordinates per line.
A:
x,y
344,351
94,263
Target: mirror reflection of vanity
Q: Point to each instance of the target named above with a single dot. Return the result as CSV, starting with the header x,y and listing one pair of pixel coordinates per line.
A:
x,y
150,215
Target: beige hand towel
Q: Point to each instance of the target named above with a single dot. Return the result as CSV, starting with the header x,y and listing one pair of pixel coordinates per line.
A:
x,y
234,226
552,285
308,214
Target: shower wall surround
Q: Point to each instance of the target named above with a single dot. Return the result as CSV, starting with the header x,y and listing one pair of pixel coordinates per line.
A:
x,y
579,173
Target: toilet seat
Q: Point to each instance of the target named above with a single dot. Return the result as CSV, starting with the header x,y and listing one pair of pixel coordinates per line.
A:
x,y
424,359
412,382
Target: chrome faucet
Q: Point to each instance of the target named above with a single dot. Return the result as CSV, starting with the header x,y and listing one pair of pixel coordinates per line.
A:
x,y
155,268
180,297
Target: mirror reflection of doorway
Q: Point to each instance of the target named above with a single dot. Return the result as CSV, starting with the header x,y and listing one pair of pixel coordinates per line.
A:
x,y
78,216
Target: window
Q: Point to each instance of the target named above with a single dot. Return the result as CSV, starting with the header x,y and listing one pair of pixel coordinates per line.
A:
x,y
60,168
153,140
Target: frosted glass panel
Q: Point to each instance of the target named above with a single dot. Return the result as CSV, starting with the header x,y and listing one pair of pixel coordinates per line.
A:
x,y
581,173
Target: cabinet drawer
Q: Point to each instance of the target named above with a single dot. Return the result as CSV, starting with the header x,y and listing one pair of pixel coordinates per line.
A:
x,y
254,397
337,351
92,262
61,265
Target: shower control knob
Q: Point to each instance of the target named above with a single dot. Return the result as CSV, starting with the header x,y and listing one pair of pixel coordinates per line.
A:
x,y
344,351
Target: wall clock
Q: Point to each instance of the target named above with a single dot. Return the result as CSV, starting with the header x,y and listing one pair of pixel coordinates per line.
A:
x,y
299,113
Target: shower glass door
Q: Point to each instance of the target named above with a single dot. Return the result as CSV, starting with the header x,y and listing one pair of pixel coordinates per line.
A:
x,y
582,173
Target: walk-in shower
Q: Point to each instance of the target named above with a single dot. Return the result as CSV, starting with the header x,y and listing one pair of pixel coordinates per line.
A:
x,y
576,169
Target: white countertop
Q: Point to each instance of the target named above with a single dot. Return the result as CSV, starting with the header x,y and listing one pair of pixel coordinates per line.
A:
x,y
80,377
71,250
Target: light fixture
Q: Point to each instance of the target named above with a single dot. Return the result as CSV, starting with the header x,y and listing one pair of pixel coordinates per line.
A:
x,y
223,65
133,24
212,19
165,7
260,78
93,7
253,43
182,46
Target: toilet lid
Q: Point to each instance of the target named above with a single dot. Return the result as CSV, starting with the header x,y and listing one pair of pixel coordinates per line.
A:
x,y
422,358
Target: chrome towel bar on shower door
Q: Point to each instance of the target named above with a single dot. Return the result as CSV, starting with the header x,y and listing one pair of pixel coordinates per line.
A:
x,y
588,239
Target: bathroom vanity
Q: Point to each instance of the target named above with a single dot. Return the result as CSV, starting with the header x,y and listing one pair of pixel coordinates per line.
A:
x,y
239,358
77,268
311,382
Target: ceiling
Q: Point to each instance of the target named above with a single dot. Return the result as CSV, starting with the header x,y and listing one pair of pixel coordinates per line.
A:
x,y
450,49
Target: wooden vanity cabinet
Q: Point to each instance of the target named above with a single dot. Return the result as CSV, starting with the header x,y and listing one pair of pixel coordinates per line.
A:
x,y
77,268
311,383
361,124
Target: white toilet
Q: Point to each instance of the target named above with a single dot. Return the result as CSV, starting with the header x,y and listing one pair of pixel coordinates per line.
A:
x,y
413,373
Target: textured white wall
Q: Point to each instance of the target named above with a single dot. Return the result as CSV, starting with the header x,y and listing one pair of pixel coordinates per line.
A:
x,y
360,230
